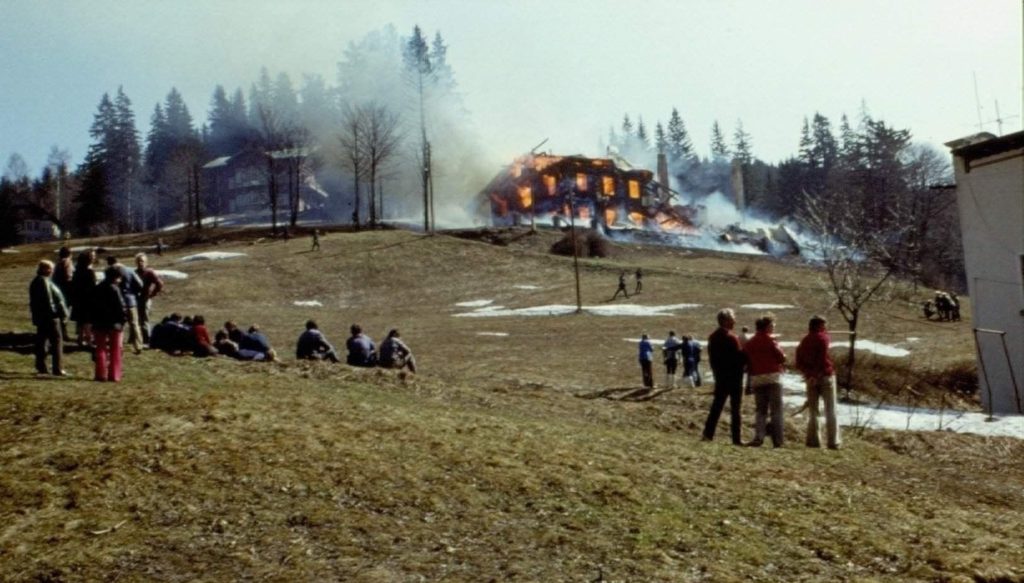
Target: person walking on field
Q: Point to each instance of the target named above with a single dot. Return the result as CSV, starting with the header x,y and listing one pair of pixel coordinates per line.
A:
x,y
765,361
109,314
46,302
814,363
670,352
622,286
727,364
646,357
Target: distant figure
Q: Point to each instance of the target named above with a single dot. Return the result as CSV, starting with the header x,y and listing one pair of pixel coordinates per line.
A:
x,y
83,284
622,286
46,302
131,289
727,364
152,285
396,354
690,353
361,349
313,345
814,363
639,275
202,346
764,369
316,240
109,315
670,352
646,357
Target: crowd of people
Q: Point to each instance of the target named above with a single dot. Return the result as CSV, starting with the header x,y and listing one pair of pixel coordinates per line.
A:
x,y
753,365
112,307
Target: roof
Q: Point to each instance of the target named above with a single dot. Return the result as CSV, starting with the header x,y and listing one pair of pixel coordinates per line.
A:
x,y
985,144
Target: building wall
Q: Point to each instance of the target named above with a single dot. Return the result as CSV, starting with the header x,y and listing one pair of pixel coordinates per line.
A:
x,y
990,198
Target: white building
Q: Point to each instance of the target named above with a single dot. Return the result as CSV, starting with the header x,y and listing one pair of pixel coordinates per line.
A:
x,y
990,196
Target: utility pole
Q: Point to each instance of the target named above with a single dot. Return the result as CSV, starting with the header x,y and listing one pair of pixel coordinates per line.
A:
x,y
575,252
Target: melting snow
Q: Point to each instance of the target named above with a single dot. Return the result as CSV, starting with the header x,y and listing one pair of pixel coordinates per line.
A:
x,y
307,303
905,418
560,310
492,333
171,274
212,256
475,303
767,306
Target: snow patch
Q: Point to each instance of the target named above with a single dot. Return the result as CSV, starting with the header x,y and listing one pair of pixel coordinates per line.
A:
x,y
561,310
307,303
171,274
767,306
475,303
211,256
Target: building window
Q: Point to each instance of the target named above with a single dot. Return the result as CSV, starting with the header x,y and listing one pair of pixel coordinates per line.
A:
x,y
551,184
634,189
608,185
581,182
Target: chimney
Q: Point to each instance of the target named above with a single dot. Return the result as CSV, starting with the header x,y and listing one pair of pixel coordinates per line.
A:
x,y
663,172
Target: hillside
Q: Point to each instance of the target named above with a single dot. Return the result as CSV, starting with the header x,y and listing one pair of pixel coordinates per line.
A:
x,y
523,453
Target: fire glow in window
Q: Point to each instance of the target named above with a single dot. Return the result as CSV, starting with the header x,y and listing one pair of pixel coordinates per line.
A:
x,y
550,183
608,185
581,182
634,189
525,197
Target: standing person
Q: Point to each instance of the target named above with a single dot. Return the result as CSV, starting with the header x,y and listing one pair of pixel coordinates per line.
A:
x,y
361,349
727,363
646,357
814,363
83,285
639,275
63,272
109,314
313,345
622,286
396,354
131,289
764,369
670,352
152,285
316,240
46,302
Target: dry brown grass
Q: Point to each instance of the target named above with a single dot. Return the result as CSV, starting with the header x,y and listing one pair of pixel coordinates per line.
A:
x,y
487,466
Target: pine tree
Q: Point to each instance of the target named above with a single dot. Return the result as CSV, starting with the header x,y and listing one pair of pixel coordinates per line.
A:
x,y
680,147
719,149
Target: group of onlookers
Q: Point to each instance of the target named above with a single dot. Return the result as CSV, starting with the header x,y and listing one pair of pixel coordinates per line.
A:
x,y
393,352
101,303
760,361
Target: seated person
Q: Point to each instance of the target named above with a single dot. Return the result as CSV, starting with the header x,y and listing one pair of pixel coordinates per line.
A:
x,y
201,345
396,354
361,349
224,345
313,345
255,345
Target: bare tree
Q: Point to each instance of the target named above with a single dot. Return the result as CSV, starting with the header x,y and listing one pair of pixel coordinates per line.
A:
x,y
353,154
860,261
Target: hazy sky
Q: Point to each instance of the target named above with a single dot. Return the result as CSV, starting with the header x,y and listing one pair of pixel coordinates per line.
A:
x,y
534,69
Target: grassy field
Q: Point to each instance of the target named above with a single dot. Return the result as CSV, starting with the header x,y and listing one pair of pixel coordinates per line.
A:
x,y
527,457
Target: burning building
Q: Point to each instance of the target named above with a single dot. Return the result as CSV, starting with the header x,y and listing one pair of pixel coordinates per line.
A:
x,y
603,193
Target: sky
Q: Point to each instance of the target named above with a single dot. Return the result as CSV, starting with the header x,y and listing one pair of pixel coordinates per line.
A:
x,y
530,70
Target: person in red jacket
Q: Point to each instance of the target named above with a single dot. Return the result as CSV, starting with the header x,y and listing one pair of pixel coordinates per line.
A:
x,y
765,361
814,363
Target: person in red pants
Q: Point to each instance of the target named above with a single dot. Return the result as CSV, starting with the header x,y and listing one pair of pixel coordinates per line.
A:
x,y
109,315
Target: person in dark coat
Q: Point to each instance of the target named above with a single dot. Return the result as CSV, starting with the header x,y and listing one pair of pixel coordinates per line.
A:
x,y
108,315
727,364
83,284
46,302
361,349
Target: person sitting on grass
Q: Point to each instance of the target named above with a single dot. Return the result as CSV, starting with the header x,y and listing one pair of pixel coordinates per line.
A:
x,y
361,349
313,345
396,354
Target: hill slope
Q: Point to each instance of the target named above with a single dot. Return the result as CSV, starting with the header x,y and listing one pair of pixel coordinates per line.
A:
x,y
487,465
